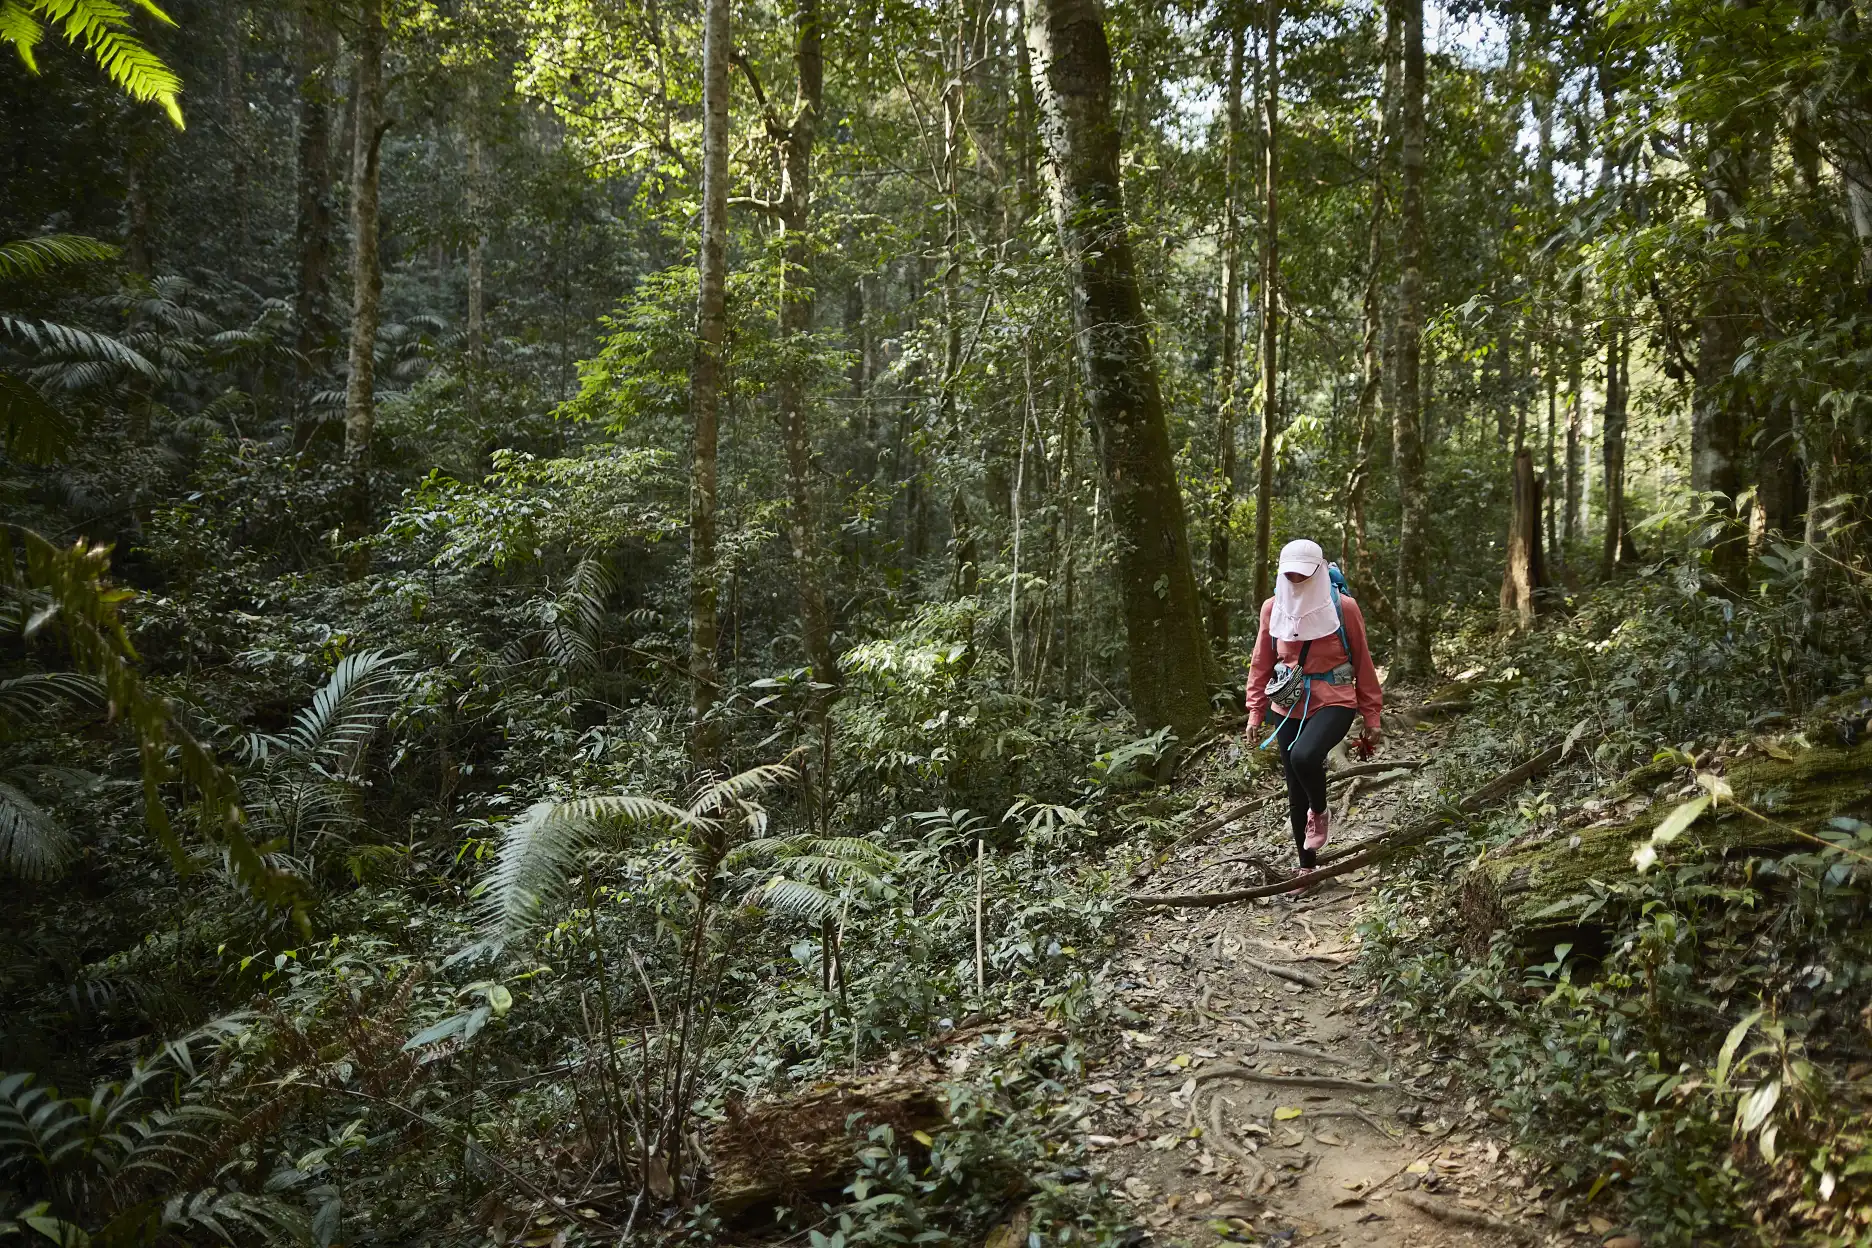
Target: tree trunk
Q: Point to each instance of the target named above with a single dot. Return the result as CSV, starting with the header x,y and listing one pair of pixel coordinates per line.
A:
x,y
1352,537
705,389
236,108
1526,572
1223,499
366,281
1412,659
796,314
1717,417
1778,461
965,578
1168,654
318,56
1270,307
1616,549
1575,447
477,241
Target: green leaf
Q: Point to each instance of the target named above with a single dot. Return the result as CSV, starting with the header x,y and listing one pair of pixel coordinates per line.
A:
x,y
1730,1045
1673,826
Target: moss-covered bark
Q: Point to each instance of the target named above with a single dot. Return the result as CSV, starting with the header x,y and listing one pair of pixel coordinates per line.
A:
x,y
1516,887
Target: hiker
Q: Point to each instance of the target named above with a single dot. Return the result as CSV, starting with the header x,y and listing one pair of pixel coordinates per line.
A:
x,y
1311,664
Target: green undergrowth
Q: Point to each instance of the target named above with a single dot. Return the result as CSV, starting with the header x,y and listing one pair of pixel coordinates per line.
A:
x,y
1685,1049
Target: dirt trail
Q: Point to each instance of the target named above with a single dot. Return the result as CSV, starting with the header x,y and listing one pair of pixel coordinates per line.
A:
x,y
1205,1156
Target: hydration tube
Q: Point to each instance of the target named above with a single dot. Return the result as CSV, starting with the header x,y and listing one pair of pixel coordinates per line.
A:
x,y
1287,715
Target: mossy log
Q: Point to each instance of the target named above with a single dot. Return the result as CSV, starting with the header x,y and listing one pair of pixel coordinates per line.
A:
x,y
1519,887
786,1150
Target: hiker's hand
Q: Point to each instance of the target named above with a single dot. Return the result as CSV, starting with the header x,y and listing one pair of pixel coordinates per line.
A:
x,y
1254,726
1374,734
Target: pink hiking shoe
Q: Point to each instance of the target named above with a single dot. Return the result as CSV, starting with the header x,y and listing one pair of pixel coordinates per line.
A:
x,y
1316,829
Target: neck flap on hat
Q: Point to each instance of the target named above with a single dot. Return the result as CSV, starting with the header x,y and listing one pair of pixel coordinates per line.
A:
x,y
1303,610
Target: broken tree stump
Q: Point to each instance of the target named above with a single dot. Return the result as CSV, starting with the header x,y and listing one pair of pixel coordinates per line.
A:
x,y
782,1151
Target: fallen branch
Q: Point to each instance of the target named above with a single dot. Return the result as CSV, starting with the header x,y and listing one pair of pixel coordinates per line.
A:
x,y
1372,769
1324,1082
1216,823
1282,972
1463,1217
1418,714
1372,850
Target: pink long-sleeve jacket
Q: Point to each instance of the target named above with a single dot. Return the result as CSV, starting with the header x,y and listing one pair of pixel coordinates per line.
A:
x,y
1326,654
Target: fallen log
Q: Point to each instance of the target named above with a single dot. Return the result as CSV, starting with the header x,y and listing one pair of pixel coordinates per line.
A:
x,y
783,1151
1366,852
1536,891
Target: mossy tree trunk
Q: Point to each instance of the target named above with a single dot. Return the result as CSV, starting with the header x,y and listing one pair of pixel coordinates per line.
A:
x,y
1167,651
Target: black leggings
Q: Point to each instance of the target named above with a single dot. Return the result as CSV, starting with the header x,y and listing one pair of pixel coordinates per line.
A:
x,y
1304,745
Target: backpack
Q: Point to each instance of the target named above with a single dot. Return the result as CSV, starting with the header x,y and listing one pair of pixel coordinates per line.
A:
x,y
1339,586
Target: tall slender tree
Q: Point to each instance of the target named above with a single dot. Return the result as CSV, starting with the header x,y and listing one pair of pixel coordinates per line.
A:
x,y
705,384
1167,651
1227,409
312,242
794,137
1270,302
366,276
1412,659
1352,538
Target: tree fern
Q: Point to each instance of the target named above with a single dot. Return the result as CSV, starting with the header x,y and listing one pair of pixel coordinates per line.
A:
x,y
540,851
101,28
336,727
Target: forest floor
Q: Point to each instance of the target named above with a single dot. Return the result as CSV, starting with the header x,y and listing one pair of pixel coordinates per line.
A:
x,y
1244,1106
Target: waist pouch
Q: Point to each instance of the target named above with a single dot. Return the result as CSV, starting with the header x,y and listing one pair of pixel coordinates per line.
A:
x,y
1289,678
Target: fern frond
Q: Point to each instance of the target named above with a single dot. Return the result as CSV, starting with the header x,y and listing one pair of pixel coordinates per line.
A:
x,y
718,796
35,257
68,342
216,1211
33,845
18,28
540,849
336,727
765,849
102,28
790,896
32,428
592,583
38,1128
39,696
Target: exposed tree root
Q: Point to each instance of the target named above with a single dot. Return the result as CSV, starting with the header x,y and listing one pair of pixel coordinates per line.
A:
x,y
1282,972
1463,1217
1324,1082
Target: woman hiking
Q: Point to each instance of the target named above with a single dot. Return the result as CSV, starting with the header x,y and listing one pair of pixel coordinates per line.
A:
x,y
1313,667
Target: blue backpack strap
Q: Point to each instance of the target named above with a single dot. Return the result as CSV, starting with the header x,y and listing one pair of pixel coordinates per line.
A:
x,y
1340,614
